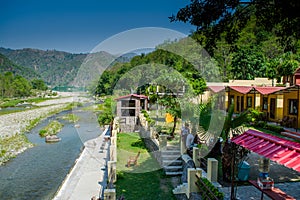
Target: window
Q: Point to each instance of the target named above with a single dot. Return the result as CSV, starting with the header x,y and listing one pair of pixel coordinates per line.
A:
x,y
231,99
128,112
293,106
249,102
265,103
128,103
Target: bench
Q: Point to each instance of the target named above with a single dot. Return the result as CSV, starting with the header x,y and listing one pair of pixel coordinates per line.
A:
x,y
133,160
275,193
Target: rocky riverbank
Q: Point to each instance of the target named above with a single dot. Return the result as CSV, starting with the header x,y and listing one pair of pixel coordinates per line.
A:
x,y
14,125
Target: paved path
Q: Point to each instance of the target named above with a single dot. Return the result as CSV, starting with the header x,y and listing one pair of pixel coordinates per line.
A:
x,y
89,174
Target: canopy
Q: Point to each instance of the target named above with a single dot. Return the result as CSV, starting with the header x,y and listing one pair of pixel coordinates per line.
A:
x,y
280,150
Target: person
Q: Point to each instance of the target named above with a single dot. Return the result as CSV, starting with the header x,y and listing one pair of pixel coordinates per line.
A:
x,y
189,141
184,132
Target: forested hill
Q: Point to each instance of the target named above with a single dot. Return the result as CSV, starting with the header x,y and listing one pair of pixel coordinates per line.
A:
x,y
7,65
54,67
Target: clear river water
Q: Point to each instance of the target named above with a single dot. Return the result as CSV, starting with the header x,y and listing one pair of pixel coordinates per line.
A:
x,y
38,172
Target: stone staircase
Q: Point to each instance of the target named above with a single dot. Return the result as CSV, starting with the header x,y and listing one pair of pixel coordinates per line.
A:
x,y
171,160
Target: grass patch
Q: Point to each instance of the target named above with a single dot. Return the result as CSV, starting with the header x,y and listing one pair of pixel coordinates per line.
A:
x,y
11,103
11,146
51,129
148,186
70,117
138,182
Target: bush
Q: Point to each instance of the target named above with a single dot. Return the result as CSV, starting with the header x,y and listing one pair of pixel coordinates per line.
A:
x,y
274,128
204,192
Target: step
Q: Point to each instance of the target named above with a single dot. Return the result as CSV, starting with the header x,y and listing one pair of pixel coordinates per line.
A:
x,y
291,135
173,168
168,157
171,152
174,173
293,132
181,189
172,147
171,162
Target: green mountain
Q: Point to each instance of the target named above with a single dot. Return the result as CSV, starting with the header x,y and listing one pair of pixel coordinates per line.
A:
x,y
54,67
7,65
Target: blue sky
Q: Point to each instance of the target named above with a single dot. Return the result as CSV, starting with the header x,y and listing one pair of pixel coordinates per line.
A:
x,y
78,26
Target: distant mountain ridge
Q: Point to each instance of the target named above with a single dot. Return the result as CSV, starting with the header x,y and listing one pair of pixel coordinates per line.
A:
x,y
6,65
58,67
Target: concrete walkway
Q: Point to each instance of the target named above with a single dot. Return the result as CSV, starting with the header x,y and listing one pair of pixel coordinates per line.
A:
x,y
89,174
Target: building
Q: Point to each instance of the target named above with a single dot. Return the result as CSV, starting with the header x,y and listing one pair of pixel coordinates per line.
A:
x,y
128,109
277,103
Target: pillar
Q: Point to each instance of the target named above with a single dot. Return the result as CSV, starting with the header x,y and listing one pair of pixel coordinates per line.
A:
x,y
114,133
212,170
111,171
110,194
192,179
196,156
113,153
182,147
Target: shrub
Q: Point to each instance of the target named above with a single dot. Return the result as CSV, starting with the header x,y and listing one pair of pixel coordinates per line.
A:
x,y
274,128
204,192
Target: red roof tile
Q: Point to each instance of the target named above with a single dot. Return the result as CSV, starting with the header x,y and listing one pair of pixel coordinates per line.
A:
x,y
216,89
268,90
282,151
241,89
133,95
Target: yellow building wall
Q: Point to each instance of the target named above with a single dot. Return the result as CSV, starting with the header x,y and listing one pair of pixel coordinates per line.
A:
x,y
287,96
237,94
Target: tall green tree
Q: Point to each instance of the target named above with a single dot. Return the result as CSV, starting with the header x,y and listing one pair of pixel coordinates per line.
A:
x,y
212,18
247,64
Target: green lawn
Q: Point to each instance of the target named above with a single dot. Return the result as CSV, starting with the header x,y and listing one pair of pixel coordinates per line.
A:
x,y
144,181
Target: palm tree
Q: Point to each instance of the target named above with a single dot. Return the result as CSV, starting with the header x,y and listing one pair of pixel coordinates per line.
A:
x,y
231,127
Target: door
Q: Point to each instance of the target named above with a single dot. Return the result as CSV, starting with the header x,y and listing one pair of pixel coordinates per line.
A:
x,y
272,108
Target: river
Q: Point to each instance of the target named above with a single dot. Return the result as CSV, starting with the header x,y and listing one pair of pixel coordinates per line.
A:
x,y
38,172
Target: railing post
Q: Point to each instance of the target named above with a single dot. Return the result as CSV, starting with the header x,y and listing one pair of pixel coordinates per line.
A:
x,y
212,169
196,156
182,146
109,194
113,153
192,179
111,171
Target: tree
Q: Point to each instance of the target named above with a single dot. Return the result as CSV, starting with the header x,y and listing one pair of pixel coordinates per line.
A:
x,y
231,126
21,86
106,115
38,84
212,18
247,64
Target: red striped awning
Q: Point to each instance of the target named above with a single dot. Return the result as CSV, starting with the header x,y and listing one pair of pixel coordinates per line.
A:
x,y
282,151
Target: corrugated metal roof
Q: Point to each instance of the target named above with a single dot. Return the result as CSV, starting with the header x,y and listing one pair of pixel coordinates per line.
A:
x,y
241,89
132,95
216,89
282,151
